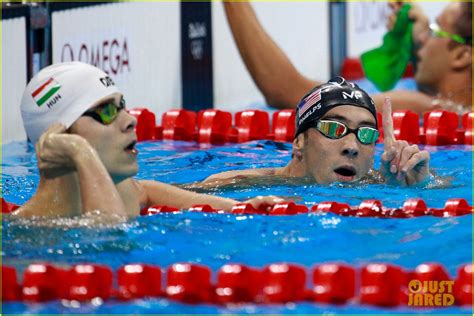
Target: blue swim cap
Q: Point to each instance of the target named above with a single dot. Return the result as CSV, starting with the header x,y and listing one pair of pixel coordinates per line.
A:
x,y
327,96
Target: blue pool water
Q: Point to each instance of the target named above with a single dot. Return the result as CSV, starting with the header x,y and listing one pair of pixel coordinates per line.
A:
x,y
216,239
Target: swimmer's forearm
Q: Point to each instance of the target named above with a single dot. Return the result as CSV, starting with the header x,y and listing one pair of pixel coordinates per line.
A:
x,y
98,192
159,193
275,75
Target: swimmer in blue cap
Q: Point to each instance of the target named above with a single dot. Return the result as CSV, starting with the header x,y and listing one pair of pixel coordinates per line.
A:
x,y
336,131
85,147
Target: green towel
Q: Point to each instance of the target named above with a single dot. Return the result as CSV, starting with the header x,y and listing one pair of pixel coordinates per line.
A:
x,y
385,65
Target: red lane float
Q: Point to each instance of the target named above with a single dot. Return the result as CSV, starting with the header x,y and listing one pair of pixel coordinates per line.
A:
x,y
11,290
283,126
189,283
89,281
146,122
283,283
250,125
138,281
463,285
467,120
44,282
352,69
238,283
156,209
179,125
377,284
211,126
369,208
406,126
381,284
333,283
333,207
440,128
8,207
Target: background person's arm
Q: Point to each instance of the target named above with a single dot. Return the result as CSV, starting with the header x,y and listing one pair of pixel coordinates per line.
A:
x,y
274,74
415,101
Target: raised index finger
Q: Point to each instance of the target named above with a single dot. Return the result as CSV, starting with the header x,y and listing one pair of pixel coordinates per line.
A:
x,y
387,123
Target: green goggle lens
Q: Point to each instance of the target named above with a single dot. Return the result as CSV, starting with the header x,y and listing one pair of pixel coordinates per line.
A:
x,y
106,113
367,135
335,130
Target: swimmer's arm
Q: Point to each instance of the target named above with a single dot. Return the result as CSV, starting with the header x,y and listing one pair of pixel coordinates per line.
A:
x,y
239,174
415,101
98,191
158,193
59,151
274,74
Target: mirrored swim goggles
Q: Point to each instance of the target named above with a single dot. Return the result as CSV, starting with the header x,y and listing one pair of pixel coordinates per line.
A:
x,y
106,113
335,130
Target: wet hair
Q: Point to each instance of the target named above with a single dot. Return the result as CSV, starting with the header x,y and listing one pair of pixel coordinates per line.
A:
x,y
463,25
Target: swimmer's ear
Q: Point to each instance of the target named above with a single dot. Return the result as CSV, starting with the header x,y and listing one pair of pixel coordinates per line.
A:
x,y
298,145
462,57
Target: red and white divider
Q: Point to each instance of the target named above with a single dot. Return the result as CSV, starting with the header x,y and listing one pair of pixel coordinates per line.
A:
x,y
439,128
368,208
376,284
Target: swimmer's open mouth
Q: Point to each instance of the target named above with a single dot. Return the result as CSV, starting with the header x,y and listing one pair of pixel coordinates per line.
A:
x,y
131,146
346,171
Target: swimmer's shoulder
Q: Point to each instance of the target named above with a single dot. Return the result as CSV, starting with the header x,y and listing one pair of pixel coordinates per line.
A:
x,y
238,174
43,206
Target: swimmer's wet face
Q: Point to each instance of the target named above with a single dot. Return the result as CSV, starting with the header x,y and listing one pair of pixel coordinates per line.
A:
x,y
344,159
114,142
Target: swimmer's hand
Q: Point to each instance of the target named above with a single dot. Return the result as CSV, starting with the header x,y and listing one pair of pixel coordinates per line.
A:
x,y
264,202
401,163
416,14
56,150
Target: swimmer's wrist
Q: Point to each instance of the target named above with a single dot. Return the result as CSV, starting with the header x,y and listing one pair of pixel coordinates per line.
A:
x,y
85,155
429,178
79,149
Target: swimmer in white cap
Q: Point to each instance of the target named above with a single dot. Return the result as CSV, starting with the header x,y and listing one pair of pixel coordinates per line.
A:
x,y
336,132
85,146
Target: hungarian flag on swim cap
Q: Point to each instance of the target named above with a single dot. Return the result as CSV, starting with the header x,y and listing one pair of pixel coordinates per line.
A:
x,y
46,91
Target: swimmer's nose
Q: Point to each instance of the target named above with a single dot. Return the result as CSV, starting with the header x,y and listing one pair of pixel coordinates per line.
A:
x,y
130,121
422,38
350,147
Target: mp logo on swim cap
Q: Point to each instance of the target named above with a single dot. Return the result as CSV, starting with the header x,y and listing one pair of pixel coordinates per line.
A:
x,y
46,92
354,94
107,81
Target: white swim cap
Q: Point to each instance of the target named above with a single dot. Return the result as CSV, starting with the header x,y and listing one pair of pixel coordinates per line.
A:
x,y
61,93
